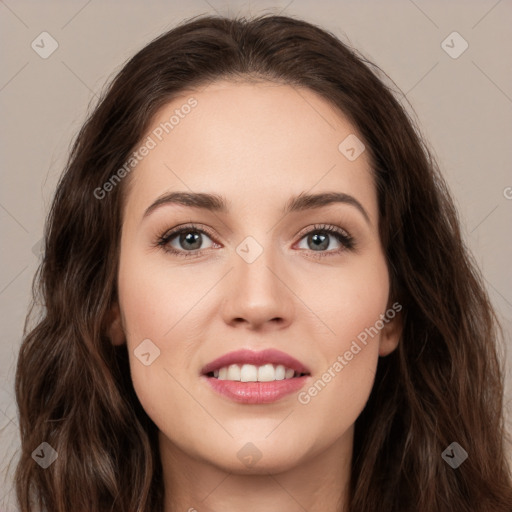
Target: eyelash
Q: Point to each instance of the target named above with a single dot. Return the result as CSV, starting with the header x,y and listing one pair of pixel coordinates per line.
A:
x,y
341,235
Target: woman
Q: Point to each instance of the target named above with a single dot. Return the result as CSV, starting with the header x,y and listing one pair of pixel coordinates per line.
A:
x,y
326,342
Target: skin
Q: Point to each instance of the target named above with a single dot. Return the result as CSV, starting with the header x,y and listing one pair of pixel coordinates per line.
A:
x,y
257,144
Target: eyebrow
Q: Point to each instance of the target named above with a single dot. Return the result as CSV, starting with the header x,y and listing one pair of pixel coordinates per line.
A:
x,y
218,203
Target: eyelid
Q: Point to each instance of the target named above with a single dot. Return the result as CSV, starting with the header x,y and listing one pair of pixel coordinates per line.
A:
x,y
322,227
191,226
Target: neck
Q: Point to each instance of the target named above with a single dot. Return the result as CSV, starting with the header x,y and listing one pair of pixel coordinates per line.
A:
x,y
319,482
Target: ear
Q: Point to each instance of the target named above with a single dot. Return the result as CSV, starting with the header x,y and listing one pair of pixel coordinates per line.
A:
x,y
392,330
114,326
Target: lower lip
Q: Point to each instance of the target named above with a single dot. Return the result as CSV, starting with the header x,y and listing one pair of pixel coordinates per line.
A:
x,y
257,392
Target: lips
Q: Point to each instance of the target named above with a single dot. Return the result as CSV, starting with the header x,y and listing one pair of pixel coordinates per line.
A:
x,y
269,356
249,377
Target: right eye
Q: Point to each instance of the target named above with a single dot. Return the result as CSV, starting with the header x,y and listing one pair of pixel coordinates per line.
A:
x,y
184,241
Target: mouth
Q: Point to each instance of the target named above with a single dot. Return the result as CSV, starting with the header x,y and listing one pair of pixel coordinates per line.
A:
x,y
255,377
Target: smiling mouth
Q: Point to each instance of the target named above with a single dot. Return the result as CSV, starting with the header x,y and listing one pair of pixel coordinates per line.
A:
x,y
252,373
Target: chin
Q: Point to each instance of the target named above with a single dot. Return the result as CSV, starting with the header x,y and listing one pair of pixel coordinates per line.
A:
x,y
272,462
254,454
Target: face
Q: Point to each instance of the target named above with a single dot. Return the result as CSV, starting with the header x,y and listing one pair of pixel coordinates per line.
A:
x,y
300,287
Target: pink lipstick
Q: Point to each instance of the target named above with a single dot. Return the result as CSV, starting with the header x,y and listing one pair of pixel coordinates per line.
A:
x,y
252,377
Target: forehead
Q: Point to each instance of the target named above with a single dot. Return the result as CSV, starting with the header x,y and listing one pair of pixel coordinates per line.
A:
x,y
252,142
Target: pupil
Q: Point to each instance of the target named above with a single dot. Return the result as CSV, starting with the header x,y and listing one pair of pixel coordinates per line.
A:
x,y
191,238
324,243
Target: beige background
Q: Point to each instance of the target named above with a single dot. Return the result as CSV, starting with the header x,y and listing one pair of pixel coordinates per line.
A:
x,y
464,107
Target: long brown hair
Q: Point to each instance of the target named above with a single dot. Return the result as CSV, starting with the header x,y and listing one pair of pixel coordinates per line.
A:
x,y
442,384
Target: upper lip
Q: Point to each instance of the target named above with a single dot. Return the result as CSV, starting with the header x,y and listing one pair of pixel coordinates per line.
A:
x,y
268,356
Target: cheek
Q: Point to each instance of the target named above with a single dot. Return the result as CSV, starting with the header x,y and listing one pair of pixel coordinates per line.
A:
x,y
350,307
156,296
346,300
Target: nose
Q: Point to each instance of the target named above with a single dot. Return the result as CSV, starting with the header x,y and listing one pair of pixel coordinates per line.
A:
x,y
258,294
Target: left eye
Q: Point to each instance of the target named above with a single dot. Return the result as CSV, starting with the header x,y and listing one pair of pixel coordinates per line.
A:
x,y
321,240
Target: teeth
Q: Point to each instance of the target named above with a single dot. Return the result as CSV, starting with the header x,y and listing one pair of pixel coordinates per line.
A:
x,y
280,372
249,373
233,372
266,373
252,373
